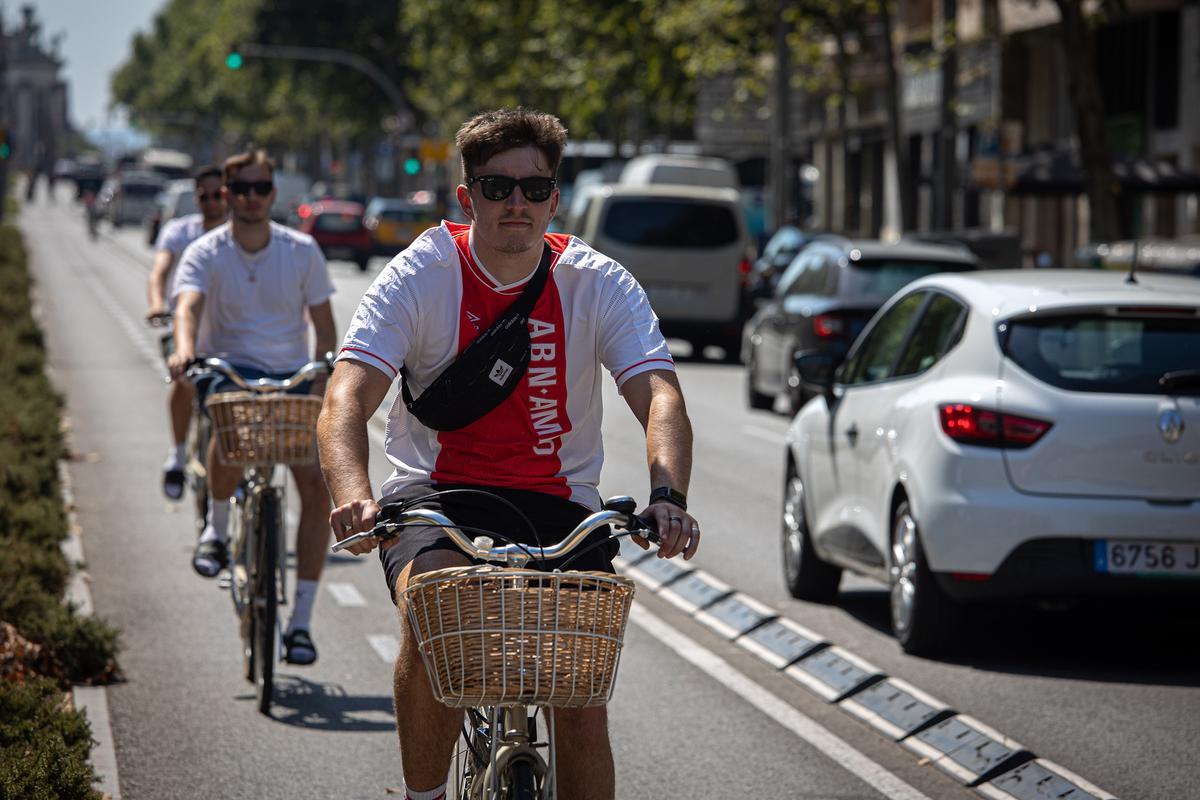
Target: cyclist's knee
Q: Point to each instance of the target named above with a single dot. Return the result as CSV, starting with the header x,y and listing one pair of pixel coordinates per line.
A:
x,y
582,724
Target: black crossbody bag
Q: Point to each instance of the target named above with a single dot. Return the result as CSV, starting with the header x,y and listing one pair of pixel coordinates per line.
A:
x,y
486,372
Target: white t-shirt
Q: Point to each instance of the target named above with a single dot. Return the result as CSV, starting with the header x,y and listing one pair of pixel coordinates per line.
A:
x,y
174,237
255,303
431,301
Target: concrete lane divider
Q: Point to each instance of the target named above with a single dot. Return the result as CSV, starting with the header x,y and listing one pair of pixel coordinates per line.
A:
x,y
896,708
1041,780
995,765
968,750
834,673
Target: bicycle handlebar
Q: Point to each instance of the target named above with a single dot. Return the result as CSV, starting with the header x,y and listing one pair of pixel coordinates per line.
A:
x,y
311,370
482,547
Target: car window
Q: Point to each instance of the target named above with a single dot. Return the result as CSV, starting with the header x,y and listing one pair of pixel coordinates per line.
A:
x,y
654,222
882,278
336,223
792,275
1089,352
872,360
939,329
784,245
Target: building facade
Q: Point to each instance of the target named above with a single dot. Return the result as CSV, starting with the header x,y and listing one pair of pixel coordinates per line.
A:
x,y
33,95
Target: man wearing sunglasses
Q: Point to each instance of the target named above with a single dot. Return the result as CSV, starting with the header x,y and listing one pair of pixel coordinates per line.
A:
x,y
173,239
245,292
540,446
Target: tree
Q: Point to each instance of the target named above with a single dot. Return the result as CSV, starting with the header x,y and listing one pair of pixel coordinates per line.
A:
x,y
1077,33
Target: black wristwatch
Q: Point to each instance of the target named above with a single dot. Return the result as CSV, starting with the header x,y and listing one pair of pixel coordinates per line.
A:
x,y
670,495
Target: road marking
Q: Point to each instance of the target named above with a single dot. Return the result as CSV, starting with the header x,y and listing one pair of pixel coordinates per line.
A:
x,y
774,437
720,670
346,594
386,645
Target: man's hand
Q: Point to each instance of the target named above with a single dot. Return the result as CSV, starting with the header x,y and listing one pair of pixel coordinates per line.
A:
x,y
155,311
680,532
178,363
354,517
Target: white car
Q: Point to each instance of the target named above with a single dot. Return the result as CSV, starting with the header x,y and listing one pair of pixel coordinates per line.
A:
x,y
1003,435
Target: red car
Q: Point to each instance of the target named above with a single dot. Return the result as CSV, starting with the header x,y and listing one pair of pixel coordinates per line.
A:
x,y
338,227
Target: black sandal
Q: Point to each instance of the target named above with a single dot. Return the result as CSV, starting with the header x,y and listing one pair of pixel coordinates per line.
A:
x,y
299,648
173,484
210,557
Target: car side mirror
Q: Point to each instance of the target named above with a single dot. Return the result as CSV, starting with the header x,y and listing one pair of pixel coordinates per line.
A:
x,y
816,371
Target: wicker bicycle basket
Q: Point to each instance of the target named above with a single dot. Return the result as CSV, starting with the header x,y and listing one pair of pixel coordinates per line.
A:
x,y
499,636
256,430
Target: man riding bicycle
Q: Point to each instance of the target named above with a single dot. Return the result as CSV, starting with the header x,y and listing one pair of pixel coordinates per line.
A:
x,y
173,239
244,292
538,446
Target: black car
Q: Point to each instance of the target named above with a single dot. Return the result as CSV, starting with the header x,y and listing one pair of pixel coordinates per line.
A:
x,y
823,300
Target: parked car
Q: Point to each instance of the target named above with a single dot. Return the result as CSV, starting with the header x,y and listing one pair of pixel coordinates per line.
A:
x,y
395,223
777,254
89,177
132,197
1001,435
338,227
688,248
177,199
822,301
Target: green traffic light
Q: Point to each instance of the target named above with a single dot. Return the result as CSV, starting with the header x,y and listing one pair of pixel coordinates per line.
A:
x,y
234,60
5,150
412,166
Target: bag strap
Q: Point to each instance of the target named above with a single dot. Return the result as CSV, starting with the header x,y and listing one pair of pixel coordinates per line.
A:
x,y
523,306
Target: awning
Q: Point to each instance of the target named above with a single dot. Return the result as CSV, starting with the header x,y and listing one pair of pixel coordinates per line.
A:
x,y
1059,172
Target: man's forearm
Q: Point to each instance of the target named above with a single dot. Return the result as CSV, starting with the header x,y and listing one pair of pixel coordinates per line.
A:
x,y
345,448
185,328
669,443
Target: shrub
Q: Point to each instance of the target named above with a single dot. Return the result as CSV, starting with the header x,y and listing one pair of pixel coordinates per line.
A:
x,y
44,745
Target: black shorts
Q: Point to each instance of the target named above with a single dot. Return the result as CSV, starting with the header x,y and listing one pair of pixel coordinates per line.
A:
x,y
553,517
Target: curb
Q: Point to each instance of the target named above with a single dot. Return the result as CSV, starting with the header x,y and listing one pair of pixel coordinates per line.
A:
x,y
92,700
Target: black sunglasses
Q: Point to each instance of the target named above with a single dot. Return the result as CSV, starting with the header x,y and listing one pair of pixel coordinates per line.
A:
x,y
498,187
261,188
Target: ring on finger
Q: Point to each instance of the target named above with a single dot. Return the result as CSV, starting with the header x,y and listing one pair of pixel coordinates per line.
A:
x,y
676,519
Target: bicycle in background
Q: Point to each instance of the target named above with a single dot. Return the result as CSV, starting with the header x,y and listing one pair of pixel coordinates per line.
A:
x,y
507,643
258,428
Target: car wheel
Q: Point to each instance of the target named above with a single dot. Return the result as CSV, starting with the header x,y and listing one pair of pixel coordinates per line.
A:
x,y
923,617
806,575
363,262
755,398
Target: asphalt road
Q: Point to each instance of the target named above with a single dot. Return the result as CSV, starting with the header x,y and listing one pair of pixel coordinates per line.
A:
x,y
1106,690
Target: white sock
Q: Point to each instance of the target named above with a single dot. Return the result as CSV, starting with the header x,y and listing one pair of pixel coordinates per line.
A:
x,y
433,794
306,595
217,527
176,456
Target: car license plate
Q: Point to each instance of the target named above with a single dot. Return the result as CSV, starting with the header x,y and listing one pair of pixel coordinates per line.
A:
x,y
1126,557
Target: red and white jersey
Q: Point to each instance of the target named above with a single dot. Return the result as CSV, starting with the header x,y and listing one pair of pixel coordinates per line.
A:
x,y
435,297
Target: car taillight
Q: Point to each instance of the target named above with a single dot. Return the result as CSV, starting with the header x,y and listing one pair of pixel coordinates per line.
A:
x,y
304,211
744,272
827,326
970,424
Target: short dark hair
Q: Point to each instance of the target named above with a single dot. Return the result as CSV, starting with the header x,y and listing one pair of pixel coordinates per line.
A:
x,y
234,164
492,132
208,171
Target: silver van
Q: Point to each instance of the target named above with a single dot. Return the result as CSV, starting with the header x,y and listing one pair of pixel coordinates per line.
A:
x,y
686,245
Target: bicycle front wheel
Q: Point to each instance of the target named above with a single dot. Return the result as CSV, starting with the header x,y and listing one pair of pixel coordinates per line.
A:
x,y
265,600
522,782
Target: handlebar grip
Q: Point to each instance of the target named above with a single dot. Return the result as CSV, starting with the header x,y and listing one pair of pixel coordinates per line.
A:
x,y
647,528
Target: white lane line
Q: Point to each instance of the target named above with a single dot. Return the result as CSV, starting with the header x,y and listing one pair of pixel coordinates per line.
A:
x,y
720,670
774,437
385,645
346,594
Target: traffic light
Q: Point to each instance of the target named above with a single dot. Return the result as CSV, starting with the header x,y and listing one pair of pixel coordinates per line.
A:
x,y
5,147
234,60
412,165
